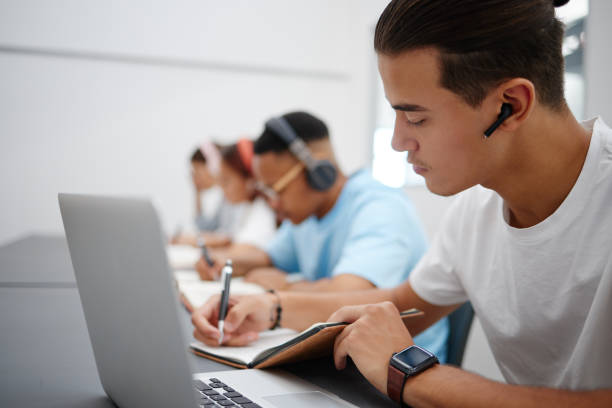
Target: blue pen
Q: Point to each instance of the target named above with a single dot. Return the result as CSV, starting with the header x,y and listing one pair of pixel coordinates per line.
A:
x,y
204,250
226,274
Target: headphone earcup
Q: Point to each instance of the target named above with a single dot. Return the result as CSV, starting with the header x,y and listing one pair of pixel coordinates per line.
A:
x,y
322,175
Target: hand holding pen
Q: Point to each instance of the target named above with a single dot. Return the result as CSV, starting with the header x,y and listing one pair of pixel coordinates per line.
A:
x,y
226,276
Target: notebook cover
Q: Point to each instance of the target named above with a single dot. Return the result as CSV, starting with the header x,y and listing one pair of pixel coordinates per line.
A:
x,y
309,345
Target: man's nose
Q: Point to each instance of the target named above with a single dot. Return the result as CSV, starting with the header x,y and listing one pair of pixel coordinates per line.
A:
x,y
402,140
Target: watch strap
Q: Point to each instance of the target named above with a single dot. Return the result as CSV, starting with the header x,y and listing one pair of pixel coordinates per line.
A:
x,y
396,379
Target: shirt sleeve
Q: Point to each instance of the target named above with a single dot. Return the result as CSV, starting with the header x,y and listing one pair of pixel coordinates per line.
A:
x,y
385,242
259,225
436,277
281,249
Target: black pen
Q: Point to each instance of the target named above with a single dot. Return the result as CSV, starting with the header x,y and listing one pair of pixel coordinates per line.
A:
x,y
226,273
205,254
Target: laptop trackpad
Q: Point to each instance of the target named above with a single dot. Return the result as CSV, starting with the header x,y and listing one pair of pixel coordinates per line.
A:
x,y
304,400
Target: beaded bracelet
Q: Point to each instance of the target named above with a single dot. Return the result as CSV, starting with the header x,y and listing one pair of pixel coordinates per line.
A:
x,y
279,311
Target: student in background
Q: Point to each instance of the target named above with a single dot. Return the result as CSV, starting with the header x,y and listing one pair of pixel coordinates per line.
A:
x,y
477,87
253,224
340,233
214,215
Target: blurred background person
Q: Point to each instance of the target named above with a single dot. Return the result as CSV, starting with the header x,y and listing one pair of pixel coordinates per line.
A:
x,y
214,214
253,223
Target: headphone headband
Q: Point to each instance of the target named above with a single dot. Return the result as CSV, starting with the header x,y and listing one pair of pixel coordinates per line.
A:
x,y
321,174
212,156
296,145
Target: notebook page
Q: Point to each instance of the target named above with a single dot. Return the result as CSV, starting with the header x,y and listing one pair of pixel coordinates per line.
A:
x,y
198,291
246,354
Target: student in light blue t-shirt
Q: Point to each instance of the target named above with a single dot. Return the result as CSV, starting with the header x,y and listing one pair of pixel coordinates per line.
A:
x,y
372,231
339,233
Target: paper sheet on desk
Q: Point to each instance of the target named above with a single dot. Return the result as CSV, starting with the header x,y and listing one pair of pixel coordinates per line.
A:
x,y
196,292
182,256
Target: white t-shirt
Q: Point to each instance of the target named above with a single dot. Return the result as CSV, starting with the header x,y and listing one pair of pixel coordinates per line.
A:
x,y
543,294
254,223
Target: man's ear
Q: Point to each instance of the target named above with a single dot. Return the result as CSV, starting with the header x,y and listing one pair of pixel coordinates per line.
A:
x,y
520,94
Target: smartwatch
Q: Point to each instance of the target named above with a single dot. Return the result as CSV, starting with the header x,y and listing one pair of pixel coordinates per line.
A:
x,y
404,364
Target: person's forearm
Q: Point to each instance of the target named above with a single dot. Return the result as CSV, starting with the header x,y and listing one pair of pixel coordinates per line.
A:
x,y
404,298
463,389
340,283
302,309
322,285
244,257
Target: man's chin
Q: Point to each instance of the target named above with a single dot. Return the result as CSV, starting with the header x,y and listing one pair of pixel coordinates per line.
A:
x,y
295,220
281,217
288,217
443,190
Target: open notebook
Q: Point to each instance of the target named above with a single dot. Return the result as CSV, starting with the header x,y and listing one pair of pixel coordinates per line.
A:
x,y
275,347
194,292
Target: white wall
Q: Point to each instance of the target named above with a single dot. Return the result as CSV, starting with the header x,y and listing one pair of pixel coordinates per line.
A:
x,y
110,97
598,60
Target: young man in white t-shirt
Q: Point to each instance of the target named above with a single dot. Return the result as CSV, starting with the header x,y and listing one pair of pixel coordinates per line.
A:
x,y
477,87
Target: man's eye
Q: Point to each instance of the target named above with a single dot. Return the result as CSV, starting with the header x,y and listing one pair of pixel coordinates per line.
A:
x,y
415,123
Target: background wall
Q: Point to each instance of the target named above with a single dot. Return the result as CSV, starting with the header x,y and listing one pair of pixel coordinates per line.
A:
x,y
598,60
110,97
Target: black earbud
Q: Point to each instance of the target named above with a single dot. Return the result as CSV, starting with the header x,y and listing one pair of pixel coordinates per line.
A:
x,y
506,111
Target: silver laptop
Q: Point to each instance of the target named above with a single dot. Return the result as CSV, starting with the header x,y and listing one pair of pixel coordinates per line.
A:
x,y
130,305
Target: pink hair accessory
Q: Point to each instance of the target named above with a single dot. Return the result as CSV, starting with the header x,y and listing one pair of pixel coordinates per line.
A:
x,y
212,156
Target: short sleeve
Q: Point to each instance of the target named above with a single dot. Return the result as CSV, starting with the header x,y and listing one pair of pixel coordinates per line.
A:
x,y
281,249
258,227
436,278
385,242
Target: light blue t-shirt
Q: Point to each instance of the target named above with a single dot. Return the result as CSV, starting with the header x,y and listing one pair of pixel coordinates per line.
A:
x,y
372,231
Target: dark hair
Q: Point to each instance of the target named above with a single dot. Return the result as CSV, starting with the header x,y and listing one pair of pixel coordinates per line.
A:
x,y
481,43
198,157
231,156
305,125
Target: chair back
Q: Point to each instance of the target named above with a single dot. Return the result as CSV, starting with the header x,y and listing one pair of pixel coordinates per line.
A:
x,y
460,322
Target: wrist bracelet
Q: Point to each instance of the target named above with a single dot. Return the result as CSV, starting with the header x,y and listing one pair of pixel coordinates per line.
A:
x,y
275,321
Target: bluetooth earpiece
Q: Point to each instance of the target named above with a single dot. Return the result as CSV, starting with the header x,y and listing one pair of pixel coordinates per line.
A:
x,y
506,111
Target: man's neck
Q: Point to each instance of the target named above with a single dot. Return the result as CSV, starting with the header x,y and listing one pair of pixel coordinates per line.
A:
x,y
542,167
331,196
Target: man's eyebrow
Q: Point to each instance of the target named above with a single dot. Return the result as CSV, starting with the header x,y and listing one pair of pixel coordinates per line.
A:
x,y
409,108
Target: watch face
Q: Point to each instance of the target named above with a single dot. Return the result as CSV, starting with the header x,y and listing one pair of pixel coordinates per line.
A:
x,y
412,357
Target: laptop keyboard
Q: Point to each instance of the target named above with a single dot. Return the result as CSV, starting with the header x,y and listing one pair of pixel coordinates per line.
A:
x,y
214,393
